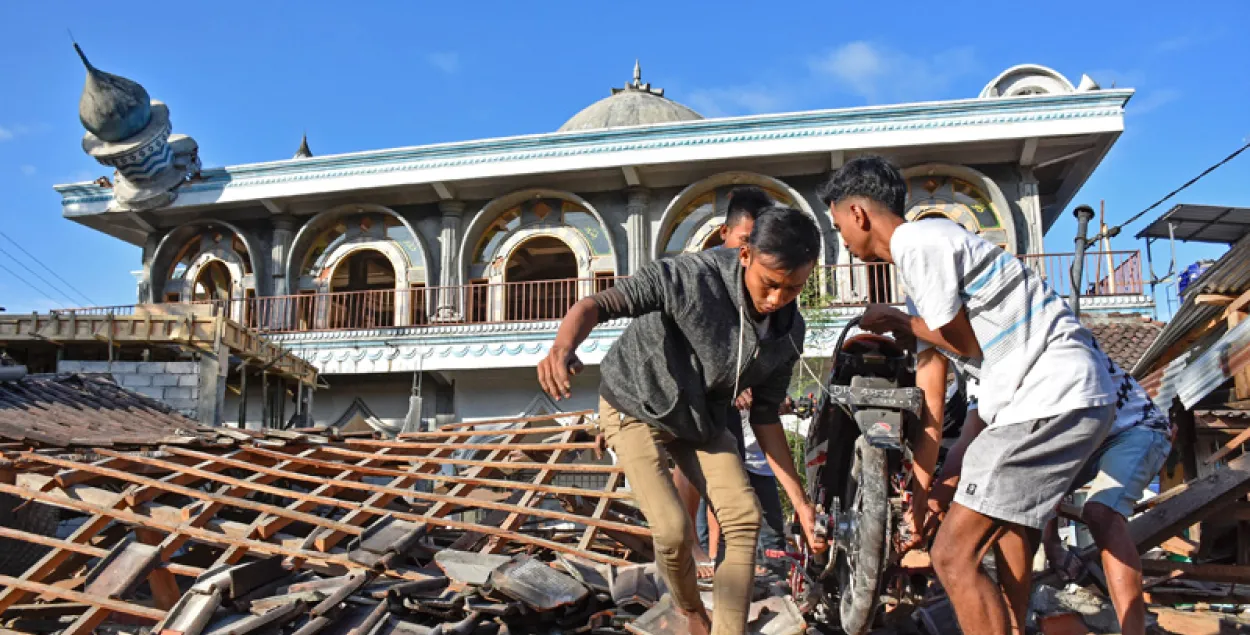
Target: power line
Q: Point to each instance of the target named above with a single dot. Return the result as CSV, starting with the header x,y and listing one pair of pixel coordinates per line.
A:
x,y
41,264
41,278
24,280
1179,189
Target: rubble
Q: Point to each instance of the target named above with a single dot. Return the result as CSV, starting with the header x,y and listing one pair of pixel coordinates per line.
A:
x,y
229,532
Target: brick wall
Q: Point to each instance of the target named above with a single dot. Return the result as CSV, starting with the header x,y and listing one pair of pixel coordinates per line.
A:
x,y
177,384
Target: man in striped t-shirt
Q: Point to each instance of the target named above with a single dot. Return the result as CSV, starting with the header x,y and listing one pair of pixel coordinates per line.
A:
x,y
1045,399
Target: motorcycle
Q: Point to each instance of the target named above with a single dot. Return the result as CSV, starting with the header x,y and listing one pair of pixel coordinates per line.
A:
x,y
859,469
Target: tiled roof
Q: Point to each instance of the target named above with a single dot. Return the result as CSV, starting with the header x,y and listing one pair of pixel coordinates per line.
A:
x,y
74,410
1124,337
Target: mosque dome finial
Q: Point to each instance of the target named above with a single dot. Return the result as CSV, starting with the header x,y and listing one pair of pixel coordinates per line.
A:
x,y
303,152
112,108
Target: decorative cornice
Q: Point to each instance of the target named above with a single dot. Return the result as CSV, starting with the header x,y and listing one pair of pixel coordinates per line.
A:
x,y
771,128
510,331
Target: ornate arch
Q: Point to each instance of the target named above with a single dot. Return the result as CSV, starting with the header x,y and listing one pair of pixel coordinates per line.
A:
x,y
414,273
529,226
698,234
965,196
572,239
393,253
158,269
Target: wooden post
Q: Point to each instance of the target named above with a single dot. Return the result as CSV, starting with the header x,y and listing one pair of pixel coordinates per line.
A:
x,y
1241,381
243,396
265,399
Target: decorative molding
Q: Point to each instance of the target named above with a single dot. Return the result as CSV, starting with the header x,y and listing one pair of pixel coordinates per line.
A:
x,y
857,126
697,189
297,251
489,212
173,240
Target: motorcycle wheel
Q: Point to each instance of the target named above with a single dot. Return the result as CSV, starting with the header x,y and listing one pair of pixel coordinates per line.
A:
x,y
862,562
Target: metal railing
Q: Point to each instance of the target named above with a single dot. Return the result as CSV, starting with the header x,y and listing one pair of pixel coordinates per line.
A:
x,y
848,285
1107,274
420,306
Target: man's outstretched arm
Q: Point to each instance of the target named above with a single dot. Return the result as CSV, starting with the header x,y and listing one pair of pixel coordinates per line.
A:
x,y
561,361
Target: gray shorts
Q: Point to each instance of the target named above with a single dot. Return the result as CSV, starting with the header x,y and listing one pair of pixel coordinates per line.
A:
x,y
1018,472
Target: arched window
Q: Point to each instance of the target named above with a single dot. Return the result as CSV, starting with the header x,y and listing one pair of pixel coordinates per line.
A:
x,y
205,263
541,276
696,226
960,200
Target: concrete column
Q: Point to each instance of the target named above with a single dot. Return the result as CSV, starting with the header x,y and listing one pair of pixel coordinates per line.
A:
x,y
1030,236
637,229
212,385
275,313
449,301
279,250
146,292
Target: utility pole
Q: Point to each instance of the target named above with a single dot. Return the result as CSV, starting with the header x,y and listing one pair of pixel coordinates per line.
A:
x,y
1084,214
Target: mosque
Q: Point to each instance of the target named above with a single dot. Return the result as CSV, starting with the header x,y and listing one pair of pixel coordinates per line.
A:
x,y
443,269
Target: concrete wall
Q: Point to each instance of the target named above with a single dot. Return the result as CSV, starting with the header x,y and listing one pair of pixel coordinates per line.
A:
x,y
174,383
491,393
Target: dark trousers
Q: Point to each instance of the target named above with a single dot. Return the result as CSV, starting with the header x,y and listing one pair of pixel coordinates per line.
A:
x,y
772,529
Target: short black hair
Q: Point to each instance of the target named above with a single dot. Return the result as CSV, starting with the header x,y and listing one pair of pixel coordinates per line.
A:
x,y
871,177
787,235
745,202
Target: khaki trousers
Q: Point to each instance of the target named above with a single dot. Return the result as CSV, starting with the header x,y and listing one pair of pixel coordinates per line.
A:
x,y
717,472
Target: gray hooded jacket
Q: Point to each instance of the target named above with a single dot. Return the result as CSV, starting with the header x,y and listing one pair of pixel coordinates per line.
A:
x,y
674,367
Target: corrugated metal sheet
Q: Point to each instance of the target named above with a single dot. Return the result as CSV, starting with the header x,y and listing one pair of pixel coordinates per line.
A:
x,y
1228,276
1224,359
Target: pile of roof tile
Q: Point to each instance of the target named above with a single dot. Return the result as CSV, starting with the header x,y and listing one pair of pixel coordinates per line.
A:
x,y
511,526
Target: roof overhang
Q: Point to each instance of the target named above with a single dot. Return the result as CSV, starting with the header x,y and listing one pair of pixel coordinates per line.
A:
x,y
1201,223
1062,137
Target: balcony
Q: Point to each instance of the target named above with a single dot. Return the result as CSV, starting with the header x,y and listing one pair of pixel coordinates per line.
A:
x,y
1111,275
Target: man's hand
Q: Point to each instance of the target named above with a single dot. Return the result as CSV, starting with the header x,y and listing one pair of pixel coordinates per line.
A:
x,y
883,318
743,402
555,370
807,519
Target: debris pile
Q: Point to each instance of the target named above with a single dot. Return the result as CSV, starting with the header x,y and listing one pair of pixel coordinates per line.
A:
x,y
515,526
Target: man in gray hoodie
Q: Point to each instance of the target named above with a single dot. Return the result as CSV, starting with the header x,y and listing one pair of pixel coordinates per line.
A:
x,y
707,326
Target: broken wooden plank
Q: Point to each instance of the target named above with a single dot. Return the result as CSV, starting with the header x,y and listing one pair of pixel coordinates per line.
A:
x,y
1196,500
117,606
1231,573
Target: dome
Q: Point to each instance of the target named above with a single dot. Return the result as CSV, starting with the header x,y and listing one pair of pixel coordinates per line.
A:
x,y
1032,79
112,108
637,104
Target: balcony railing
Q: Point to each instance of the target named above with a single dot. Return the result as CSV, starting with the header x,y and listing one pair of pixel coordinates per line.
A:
x,y
850,285
1106,273
466,304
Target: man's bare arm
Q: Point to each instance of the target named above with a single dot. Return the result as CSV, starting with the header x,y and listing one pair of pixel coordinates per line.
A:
x,y
956,336
561,361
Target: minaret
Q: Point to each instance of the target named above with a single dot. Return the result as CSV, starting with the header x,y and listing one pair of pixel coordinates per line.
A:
x,y
129,131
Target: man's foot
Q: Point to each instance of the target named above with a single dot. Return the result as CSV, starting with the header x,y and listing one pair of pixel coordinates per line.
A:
x,y
704,565
698,621
1066,563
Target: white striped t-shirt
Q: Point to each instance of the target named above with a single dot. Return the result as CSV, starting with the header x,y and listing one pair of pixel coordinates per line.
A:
x,y
1038,360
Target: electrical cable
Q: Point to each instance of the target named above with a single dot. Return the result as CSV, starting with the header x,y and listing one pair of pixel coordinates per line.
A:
x,y
23,280
1115,230
54,273
41,278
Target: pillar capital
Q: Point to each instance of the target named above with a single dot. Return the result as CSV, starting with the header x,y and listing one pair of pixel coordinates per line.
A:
x,y
284,222
451,208
638,196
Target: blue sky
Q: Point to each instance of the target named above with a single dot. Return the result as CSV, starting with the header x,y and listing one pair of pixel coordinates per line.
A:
x,y
246,79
